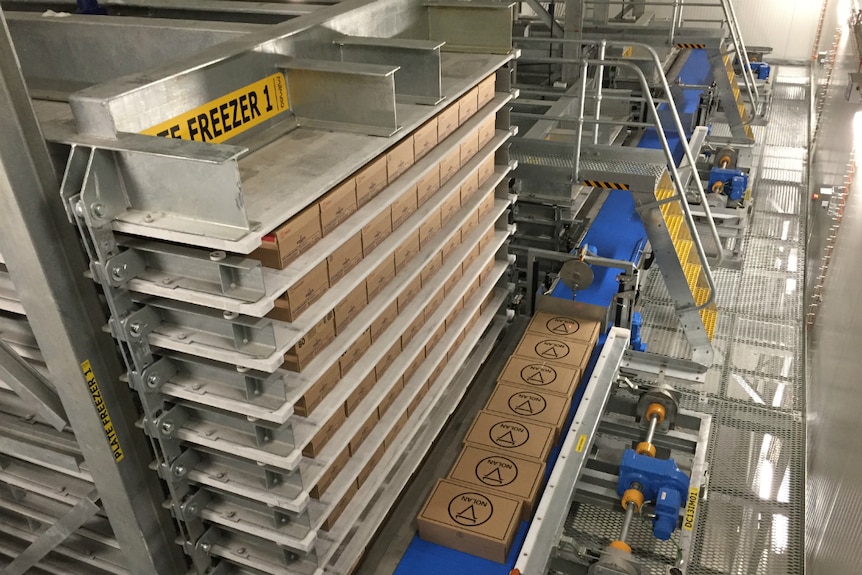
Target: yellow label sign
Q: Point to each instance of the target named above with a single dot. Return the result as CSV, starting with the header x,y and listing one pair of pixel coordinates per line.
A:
x,y
230,115
627,52
691,508
96,394
582,442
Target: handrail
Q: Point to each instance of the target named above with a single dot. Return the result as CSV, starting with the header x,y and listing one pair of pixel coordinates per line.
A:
x,y
677,124
710,280
741,54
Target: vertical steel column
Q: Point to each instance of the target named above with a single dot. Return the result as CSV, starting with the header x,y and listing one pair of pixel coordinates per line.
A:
x,y
43,256
573,27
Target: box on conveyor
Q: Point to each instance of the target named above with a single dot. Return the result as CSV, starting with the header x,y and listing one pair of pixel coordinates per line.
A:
x,y
507,434
556,350
530,404
565,327
501,473
539,374
470,519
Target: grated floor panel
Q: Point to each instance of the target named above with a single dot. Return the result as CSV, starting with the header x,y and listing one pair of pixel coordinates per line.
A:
x,y
751,520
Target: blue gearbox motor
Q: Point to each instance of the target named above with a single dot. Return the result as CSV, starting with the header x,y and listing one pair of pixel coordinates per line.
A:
x,y
730,182
661,481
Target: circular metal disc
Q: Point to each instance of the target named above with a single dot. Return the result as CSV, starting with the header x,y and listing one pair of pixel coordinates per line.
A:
x,y
576,275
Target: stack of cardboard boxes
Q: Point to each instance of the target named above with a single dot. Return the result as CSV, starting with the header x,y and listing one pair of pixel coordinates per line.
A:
x,y
495,482
420,207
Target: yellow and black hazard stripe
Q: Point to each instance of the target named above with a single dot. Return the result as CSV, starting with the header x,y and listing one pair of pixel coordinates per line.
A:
x,y
690,46
606,185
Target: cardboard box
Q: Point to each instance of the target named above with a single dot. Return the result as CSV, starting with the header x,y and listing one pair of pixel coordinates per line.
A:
x,y
330,474
526,439
370,180
470,224
500,473
451,285
469,187
435,338
486,303
386,361
530,404
388,400
339,508
415,326
318,392
454,312
410,291
349,307
346,257
424,139
299,297
404,207
468,105
469,147
376,231
565,327
486,168
392,436
434,303
312,343
486,240
485,275
414,365
432,379
554,350
324,434
486,131
363,432
383,321
337,205
447,121
469,259
450,246
486,89
289,241
399,159
449,165
428,186
456,345
431,268
370,466
413,407
406,251
464,518
486,206
450,207
542,375
357,395
380,277
355,352
429,228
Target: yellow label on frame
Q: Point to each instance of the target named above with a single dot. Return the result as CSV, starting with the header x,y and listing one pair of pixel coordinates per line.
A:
x,y
691,508
232,114
102,409
582,442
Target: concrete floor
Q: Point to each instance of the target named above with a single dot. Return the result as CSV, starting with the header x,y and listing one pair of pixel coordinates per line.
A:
x,y
834,513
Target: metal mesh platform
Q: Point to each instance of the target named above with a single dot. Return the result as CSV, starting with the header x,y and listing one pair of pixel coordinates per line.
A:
x,y
752,518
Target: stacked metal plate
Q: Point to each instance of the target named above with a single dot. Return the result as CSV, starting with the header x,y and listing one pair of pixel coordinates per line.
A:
x,y
44,481
173,228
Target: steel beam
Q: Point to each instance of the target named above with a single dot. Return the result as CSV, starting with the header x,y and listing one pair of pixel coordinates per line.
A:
x,y
42,253
29,385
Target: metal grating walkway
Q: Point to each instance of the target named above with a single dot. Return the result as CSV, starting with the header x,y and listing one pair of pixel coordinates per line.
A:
x,y
752,521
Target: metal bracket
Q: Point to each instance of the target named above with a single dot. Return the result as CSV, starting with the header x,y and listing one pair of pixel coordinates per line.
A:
x,y
478,26
200,550
122,267
190,508
166,424
418,79
176,471
138,324
154,376
343,96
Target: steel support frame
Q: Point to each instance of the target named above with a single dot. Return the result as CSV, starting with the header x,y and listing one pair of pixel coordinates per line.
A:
x,y
63,309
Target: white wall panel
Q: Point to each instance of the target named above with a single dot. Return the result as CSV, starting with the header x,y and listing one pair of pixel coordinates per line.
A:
x,y
788,26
